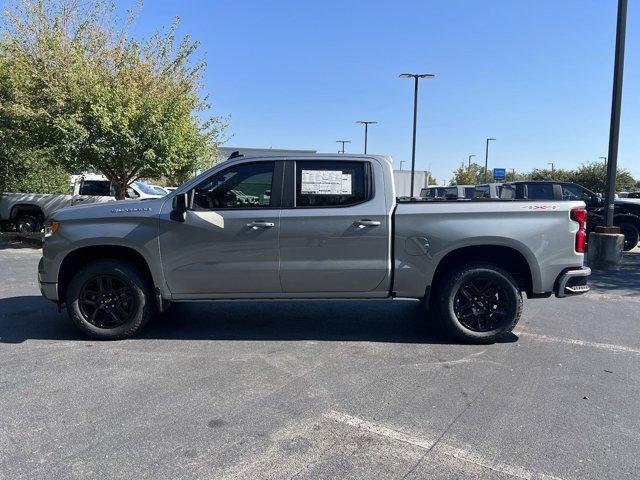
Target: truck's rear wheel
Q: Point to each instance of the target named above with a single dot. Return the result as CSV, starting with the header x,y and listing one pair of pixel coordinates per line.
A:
x,y
479,303
631,235
109,300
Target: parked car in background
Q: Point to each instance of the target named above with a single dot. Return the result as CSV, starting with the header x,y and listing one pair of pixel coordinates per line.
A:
x,y
626,210
159,190
310,226
450,192
453,192
26,212
488,190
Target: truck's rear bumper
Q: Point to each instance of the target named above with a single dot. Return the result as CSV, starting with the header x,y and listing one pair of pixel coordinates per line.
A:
x,y
572,282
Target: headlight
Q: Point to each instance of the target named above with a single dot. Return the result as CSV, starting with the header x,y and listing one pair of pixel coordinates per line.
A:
x,y
51,228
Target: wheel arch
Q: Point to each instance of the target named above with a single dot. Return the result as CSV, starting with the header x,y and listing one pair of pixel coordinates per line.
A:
x,y
18,209
81,256
505,257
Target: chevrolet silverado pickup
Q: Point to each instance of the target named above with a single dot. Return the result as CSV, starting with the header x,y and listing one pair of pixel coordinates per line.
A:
x,y
313,227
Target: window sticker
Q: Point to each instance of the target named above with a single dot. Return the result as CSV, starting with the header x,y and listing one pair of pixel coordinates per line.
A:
x,y
325,182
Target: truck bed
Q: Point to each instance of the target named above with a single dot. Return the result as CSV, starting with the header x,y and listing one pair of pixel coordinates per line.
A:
x,y
426,231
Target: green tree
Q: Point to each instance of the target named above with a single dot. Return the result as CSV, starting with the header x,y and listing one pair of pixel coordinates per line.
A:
x,y
97,99
547,174
468,175
590,175
25,165
593,176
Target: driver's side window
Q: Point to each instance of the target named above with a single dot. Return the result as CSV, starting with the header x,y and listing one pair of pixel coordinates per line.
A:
x,y
247,185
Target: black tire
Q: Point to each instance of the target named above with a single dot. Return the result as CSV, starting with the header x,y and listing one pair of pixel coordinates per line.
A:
x,y
631,235
479,303
28,223
107,290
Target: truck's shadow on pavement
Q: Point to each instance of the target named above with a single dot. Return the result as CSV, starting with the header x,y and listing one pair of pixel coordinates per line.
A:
x,y
32,317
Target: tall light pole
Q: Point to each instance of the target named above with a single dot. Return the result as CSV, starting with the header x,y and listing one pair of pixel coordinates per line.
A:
x,y
366,124
616,106
553,167
342,142
401,162
605,161
469,165
416,77
486,160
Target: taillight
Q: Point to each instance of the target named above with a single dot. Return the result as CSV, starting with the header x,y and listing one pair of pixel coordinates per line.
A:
x,y
580,215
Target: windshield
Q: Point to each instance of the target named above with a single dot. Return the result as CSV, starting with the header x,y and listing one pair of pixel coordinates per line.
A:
x,y
144,188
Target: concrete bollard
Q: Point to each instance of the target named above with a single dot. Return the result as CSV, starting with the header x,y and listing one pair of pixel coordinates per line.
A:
x,y
605,250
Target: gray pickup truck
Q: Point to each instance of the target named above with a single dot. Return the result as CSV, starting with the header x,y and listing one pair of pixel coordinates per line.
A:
x,y
321,226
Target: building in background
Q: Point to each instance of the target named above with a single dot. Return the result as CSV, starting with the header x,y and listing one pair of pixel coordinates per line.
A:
x,y
402,182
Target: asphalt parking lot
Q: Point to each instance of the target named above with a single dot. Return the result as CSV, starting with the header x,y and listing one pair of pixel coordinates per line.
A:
x,y
320,390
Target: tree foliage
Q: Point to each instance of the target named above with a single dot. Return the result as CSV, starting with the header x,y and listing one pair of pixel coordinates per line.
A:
x,y
94,98
589,175
466,175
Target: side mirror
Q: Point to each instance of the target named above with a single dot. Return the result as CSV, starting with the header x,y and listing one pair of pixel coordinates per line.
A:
x,y
180,205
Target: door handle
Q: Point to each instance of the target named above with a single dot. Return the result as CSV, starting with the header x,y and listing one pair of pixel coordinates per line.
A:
x,y
366,223
259,224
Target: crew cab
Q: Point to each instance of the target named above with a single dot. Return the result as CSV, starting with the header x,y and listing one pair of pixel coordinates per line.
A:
x,y
626,210
313,227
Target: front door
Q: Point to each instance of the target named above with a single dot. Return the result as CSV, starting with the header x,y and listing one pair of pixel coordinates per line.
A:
x,y
228,244
334,229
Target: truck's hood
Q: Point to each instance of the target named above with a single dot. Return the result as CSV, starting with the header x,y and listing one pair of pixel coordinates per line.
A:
x,y
137,208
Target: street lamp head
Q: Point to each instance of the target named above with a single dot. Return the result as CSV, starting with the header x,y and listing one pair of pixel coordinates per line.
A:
x,y
490,139
417,75
366,122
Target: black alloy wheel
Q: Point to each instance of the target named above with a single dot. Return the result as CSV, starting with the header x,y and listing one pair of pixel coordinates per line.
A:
x,y
478,302
107,301
481,304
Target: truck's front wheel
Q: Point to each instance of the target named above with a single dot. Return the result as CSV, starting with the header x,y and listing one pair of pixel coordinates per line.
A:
x,y
28,223
479,303
109,300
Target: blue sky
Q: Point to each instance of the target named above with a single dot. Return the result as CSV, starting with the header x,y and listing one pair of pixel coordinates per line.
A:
x,y
535,74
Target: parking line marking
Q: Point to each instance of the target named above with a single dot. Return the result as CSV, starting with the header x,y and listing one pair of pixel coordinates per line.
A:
x,y
451,451
378,429
583,343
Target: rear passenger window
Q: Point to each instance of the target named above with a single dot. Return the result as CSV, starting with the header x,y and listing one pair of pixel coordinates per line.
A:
x,y
332,184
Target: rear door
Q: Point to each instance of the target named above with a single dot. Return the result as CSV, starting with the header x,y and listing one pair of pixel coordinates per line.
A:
x,y
334,230
228,244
